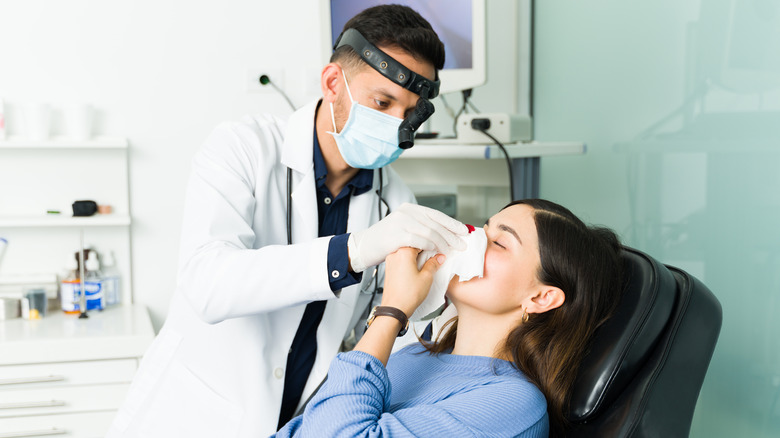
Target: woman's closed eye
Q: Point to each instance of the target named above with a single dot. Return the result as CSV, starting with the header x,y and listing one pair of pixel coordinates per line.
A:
x,y
496,242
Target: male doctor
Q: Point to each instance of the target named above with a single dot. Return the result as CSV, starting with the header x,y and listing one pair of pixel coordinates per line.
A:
x,y
255,321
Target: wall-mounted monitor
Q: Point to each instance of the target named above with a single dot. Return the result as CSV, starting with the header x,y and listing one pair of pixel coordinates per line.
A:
x,y
460,25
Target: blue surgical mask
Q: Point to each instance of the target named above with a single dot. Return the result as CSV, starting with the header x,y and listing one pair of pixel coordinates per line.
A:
x,y
369,139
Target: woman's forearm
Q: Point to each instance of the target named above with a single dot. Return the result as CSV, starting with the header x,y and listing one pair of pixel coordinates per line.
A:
x,y
379,338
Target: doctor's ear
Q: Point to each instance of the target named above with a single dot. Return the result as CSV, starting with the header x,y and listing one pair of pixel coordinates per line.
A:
x,y
331,81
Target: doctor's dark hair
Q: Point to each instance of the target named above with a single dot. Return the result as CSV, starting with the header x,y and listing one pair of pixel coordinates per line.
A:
x,y
584,262
393,26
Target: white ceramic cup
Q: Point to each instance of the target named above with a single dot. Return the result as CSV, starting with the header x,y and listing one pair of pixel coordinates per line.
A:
x,y
38,118
78,121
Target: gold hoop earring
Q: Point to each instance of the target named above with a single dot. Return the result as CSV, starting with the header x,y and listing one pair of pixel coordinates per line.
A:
x,y
524,318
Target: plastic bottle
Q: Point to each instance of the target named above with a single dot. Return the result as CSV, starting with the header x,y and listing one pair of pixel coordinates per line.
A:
x,y
110,279
70,288
93,283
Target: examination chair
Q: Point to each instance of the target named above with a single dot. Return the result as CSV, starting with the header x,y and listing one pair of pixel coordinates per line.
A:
x,y
645,368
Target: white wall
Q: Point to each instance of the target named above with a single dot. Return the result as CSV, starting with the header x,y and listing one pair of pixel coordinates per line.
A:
x,y
163,74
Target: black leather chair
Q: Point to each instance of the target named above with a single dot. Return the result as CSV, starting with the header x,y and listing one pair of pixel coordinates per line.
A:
x,y
645,368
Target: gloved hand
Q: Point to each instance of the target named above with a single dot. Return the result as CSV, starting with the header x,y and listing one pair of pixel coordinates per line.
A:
x,y
410,225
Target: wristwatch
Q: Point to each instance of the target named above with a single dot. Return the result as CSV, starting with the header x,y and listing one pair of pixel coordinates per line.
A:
x,y
389,311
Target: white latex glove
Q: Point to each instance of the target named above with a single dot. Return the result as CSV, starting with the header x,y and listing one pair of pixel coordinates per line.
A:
x,y
410,225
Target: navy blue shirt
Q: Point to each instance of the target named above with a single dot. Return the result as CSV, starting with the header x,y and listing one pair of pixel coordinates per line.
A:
x,y
333,213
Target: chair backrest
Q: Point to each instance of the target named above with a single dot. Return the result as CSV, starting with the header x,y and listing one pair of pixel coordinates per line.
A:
x,y
646,365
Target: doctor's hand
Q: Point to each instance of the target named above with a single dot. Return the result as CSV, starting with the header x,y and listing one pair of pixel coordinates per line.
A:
x,y
410,225
406,286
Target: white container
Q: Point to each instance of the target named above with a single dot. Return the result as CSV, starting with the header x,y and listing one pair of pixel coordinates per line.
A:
x,y
78,121
38,118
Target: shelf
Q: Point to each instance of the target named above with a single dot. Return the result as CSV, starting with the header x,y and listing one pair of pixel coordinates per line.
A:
x,y
65,221
450,149
115,333
16,142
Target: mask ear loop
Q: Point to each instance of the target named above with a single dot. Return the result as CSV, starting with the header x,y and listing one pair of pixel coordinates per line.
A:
x,y
349,93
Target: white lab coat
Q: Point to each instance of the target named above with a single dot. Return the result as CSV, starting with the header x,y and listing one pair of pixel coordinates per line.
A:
x,y
216,369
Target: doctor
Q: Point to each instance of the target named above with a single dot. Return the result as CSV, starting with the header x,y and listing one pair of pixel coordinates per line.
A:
x,y
255,321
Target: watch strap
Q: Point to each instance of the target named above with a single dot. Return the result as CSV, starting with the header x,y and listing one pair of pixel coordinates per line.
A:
x,y
392,312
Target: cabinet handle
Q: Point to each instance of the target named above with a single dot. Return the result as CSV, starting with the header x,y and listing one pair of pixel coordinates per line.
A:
x,y
52,431
21,380
40,404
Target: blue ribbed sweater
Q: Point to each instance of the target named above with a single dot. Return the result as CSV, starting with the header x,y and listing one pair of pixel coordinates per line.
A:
x,y
422,395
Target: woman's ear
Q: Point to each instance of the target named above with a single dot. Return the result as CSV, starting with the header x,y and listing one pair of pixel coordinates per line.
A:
x,y
548,298
330,81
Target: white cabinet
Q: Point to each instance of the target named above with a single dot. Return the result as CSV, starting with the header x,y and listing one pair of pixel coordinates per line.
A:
x,y
62,375
41,176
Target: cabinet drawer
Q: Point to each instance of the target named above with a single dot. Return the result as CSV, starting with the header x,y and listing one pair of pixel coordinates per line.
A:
x,y
63,399
14,377
86,425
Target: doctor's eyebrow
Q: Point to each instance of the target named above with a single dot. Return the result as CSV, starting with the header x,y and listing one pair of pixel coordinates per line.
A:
x,y
384,93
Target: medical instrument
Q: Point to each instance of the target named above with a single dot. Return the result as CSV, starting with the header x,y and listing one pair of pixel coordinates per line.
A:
x,y
505,127
400,75
83,296
411,124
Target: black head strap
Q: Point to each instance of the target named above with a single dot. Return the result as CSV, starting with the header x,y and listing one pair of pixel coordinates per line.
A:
x,y
387,66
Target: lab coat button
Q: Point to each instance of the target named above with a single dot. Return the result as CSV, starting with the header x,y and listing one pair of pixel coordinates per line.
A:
x,y
278,373
327,201
335,274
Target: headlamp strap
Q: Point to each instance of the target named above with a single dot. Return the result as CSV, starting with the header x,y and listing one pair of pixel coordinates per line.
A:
x,y
387,66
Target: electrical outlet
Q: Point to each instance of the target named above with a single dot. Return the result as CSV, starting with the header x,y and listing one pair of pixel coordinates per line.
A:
x,y
253,85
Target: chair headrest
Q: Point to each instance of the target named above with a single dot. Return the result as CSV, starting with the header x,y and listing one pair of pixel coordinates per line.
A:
x,y
620,347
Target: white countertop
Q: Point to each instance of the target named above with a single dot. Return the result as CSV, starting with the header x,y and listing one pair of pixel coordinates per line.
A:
x,y
119,332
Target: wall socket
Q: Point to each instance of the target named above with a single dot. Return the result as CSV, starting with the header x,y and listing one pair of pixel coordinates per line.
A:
x,y
253,84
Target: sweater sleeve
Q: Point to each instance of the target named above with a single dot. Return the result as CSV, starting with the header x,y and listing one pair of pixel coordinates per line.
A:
x,y
355,399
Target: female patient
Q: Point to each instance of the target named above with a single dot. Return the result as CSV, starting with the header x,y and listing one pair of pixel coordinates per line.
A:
x,y
506,364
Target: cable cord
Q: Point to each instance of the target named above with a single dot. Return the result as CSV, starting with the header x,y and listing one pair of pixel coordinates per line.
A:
x,y
508,163
463,109
265,80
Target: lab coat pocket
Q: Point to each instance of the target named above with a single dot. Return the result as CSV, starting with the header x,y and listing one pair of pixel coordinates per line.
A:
x,y
145,382
185,406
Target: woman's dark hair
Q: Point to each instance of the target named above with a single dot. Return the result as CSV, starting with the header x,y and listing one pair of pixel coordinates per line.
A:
x,y
584,262
394,26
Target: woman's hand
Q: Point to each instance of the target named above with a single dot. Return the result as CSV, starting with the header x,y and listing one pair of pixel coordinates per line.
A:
x,y
405,286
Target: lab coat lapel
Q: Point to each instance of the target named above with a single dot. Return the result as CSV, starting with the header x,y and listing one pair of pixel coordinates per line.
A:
x,y
297,154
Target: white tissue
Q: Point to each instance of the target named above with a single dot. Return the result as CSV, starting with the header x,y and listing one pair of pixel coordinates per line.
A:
x,y
466,264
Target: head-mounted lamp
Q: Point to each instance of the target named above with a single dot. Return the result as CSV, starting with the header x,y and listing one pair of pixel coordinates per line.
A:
x,y
398,74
